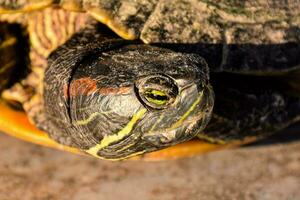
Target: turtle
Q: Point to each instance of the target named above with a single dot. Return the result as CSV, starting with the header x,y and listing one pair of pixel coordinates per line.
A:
x,y
223,72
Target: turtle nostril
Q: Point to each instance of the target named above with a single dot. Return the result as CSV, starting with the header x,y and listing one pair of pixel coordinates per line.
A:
x,y
156,91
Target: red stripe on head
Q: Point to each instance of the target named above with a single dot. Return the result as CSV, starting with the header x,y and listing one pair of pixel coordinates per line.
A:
x,y
82,86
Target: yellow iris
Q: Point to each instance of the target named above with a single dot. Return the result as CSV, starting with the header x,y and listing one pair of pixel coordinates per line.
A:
x,y
156,97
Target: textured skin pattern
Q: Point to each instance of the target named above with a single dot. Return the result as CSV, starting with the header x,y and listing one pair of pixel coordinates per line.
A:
x,y
46,33
92,103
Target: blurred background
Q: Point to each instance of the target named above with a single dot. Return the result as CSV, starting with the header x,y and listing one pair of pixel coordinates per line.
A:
x,y
266,170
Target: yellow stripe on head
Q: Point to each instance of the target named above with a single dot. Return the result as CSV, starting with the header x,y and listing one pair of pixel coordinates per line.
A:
x,y
212,140
91,118
187,113
123,158
109,139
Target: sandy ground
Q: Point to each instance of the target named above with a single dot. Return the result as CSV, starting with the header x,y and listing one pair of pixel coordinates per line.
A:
x,y
263,172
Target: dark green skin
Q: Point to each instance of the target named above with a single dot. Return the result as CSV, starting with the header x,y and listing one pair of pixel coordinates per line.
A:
x,y
249,103
113,64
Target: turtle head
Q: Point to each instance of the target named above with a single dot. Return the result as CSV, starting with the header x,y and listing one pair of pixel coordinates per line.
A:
x,y
136,99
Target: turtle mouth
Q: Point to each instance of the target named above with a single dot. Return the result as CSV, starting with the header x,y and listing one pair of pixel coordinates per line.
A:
x,y
168,138
136,145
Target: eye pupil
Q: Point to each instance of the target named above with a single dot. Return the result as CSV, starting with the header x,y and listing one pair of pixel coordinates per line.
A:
x,y
156,97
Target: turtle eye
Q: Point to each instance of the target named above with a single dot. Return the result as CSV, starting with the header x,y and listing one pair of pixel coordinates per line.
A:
x,y
156,91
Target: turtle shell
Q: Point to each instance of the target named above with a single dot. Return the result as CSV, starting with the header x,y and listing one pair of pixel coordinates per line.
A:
x,y
244,37
232,36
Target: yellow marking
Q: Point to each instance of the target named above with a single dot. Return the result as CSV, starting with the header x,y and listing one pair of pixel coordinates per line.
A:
x,y
90,118
202,136
185,115
41,30
105,18
108,139
72,5
126,147
49,29
157,93
35,40
70,24
8,42
131,155
7,66
61,19
158,121
123,158
157,102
